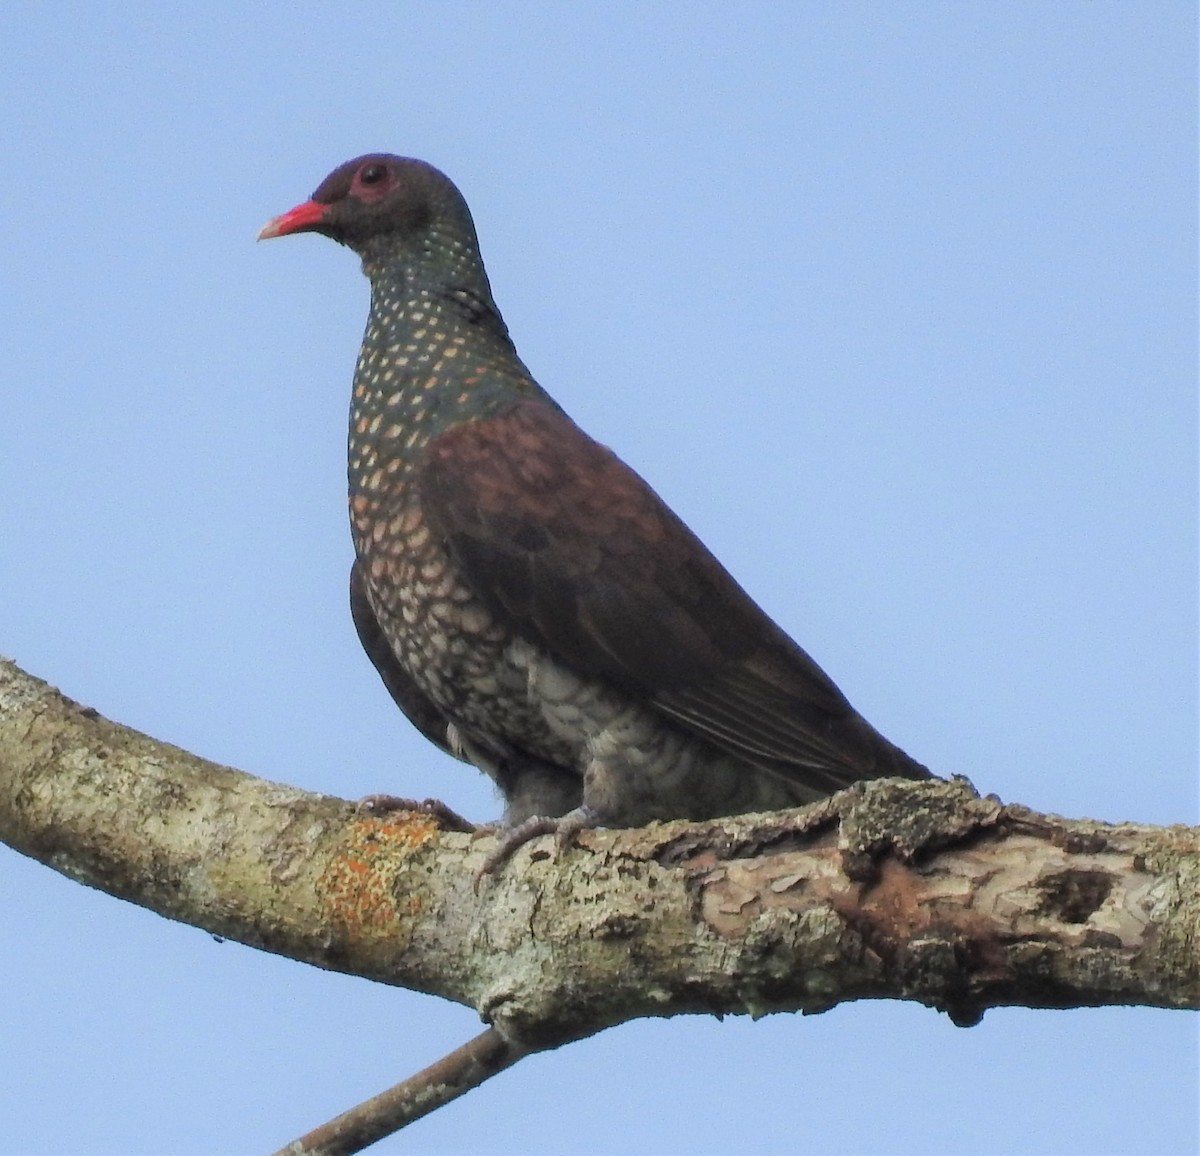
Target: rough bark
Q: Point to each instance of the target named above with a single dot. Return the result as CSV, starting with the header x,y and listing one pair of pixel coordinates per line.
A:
x,y
919,891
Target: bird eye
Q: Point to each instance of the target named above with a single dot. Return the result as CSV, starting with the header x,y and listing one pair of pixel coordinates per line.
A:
x,y
373,174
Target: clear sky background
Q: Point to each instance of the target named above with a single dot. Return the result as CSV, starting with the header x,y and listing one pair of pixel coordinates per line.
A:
x,y
893,302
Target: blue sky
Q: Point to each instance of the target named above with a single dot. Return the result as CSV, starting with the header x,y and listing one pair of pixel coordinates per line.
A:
x,y
894,303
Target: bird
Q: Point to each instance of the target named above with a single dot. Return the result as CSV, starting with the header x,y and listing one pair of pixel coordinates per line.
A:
x,y
531,604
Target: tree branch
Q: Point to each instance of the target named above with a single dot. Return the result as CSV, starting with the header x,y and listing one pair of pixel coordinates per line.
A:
x,y
895,889
488,1054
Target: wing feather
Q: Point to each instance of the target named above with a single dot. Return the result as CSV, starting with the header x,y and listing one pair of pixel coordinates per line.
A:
x,y
580,556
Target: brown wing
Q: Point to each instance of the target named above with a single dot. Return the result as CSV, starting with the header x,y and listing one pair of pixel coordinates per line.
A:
x,y
419,710
579,555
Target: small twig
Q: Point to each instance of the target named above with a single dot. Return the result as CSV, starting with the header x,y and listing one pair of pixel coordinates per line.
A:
x,y
460,1071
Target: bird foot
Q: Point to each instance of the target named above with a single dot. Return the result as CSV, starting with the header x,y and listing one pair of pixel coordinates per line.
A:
x,y
564,828
447,819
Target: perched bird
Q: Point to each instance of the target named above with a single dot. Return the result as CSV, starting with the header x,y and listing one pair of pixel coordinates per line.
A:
x,y
531,604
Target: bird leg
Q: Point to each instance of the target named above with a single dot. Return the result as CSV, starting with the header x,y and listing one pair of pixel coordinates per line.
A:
x,y
564,828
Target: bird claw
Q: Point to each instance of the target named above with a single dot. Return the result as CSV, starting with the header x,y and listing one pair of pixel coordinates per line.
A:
x,y
447,818
564,828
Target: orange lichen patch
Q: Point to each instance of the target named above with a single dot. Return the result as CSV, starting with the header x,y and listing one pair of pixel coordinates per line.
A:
x,y
359,885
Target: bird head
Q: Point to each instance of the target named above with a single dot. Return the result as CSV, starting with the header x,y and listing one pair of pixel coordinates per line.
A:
x,y
377,197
